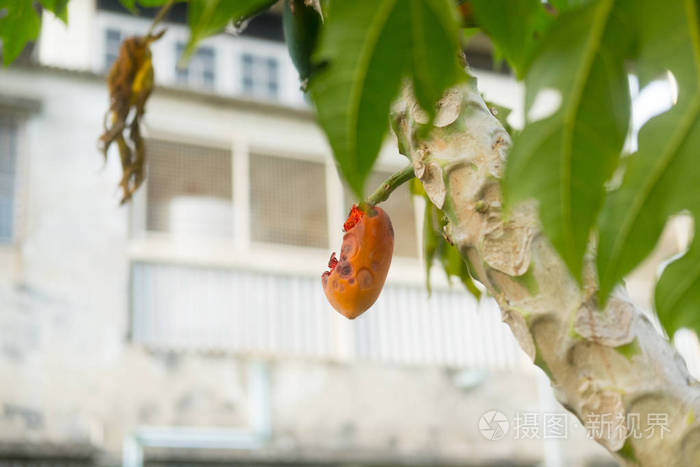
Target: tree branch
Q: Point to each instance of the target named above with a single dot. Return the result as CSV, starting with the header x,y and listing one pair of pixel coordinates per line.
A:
x,y
612,369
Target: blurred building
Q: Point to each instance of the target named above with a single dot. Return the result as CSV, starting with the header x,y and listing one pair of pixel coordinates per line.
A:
x,y
189,327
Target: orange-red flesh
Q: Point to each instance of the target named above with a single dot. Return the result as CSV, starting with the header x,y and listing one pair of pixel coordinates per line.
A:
x,y
353,218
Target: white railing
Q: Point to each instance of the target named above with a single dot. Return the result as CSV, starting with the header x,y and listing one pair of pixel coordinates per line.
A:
x,y
178,307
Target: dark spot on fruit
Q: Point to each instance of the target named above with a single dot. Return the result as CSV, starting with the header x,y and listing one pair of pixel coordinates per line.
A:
x,y
365,278
344,269
349,246
351,281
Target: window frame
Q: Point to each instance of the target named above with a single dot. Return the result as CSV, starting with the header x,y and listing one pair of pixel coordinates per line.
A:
x,y
139,205
294,156
258,61
199,82
18,195
196,145
105,32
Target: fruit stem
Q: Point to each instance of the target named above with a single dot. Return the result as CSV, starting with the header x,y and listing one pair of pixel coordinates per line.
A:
x,y
160,15
390,184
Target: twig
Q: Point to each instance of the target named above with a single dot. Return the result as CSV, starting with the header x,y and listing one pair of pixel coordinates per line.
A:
x,y
160,15
390,184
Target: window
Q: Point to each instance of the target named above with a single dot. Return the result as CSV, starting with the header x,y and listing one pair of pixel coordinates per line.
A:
x,y
288,201
200,67
8,168
113,40
399,206
260,75
189,189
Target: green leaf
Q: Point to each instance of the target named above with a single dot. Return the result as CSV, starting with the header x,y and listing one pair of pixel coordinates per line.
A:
x,y
207,17
514,28
301,30
455,266
430,242
129,4
370,46
677,296
58,8
434,48
662,178
564,160
20,25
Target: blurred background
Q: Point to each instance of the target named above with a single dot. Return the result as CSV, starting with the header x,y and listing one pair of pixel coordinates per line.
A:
x,y
189,327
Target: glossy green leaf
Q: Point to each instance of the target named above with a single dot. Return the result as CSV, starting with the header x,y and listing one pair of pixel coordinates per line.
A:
x,y
677,296
207,17
564,160
57,7
514,27
19,25
301,25
662,178
370,46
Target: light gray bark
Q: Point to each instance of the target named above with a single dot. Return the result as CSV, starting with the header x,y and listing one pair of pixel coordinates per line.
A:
x,y
610,368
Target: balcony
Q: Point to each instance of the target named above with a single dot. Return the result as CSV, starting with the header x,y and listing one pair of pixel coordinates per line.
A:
x,y
231,310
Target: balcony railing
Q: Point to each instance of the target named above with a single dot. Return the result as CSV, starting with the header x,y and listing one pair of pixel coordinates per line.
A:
x,y
178,307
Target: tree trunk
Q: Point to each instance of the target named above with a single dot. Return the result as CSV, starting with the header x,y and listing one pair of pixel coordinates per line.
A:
x,y
610,368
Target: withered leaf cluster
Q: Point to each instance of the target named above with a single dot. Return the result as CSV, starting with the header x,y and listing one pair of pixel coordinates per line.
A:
x,y
130,82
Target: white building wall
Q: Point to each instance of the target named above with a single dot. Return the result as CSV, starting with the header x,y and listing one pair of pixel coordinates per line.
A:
x,y
69,46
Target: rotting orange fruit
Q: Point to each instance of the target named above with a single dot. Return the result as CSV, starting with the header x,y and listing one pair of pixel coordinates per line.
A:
x,y
354,281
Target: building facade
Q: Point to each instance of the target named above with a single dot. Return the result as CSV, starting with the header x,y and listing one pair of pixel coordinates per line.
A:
x,y
190,325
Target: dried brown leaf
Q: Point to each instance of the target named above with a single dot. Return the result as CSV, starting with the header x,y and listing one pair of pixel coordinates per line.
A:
x,y
130,83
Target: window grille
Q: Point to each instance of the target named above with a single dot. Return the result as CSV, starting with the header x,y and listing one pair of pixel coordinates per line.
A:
x,y
113,40
189,189
8,172
400,208
260,75
288,201
200,70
